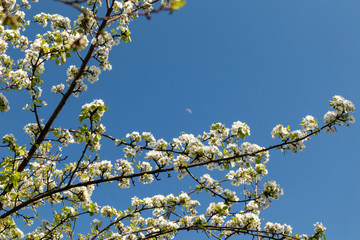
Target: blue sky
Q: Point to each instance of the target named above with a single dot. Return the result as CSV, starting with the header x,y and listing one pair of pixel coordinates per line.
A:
x,y
260,62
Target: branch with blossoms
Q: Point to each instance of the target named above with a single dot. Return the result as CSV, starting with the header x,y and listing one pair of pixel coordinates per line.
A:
x,y
240,223
234,231
94,112
75,84
337,120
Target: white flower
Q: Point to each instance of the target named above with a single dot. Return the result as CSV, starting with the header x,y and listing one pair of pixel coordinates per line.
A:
x,y
240,129
341,105
4,103
319,227
309,123
277,228
329,117
33,129
93,73
252,205
58,88
134,136
108,211
272,190
247,220
281,131
94,110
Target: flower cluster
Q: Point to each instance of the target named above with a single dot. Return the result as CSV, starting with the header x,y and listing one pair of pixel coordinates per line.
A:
x,y
240,130
278,228
92,74
341,115
93,111
309,123
33,129
57,21
58,88
81,195
72,74
145,167
209,183
341,105
319,228
272,190
245,220
19,79
125,168
297,137
218,132
4,103
253,206
220,209
85,21
242,176
64,136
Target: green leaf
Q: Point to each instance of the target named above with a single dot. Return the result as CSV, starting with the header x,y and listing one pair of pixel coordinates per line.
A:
x,y
177,4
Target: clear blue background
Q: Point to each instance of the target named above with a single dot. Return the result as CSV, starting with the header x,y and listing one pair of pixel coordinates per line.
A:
x,y
260,62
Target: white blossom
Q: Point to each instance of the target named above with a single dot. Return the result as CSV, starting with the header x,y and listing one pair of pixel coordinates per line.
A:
x,y
4,103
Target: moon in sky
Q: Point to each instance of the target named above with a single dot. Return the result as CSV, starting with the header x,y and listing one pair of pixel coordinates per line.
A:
x,y
188,110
